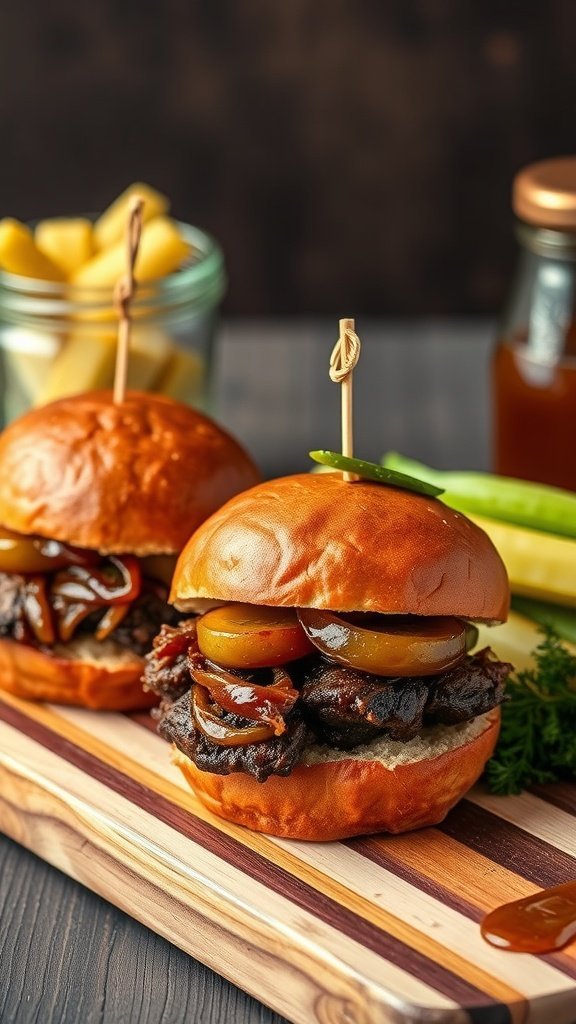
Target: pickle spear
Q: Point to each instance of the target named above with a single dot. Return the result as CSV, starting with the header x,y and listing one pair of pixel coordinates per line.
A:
x,y
372,471
537,506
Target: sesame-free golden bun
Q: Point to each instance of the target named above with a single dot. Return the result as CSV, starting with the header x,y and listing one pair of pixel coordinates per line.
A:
x,y
135,477
316,541
88,673
332,797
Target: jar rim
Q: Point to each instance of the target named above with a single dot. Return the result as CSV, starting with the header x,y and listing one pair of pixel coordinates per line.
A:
x,y
200,282
556,243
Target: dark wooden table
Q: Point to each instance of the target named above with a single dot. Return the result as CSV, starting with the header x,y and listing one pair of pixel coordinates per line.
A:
x,y
66,956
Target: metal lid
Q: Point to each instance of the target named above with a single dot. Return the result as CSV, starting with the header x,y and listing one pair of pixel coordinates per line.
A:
x,y
545,193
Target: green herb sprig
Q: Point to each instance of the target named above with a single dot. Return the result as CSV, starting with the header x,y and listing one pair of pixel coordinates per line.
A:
x,y
538,735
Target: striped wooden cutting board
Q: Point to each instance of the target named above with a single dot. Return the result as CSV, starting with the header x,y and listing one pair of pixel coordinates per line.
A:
x,y
370,931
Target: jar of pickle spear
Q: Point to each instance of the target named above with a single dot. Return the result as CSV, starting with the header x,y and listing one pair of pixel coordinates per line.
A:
x,y
58,322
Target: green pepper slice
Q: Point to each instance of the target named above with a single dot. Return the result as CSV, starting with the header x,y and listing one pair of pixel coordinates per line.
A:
x,y
377,474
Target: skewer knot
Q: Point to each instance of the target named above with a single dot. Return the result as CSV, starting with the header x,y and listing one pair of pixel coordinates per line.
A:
x,y
126,286
345,355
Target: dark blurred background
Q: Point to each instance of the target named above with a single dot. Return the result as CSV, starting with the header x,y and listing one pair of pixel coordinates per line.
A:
x,y
349,154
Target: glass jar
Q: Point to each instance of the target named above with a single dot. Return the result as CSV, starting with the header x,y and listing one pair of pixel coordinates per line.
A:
x,y
534,369
57,340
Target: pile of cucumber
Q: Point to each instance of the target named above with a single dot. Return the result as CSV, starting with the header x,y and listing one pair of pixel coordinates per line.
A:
x,y
534,528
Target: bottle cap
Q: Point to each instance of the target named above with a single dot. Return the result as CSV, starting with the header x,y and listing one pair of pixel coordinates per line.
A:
x,y
544,193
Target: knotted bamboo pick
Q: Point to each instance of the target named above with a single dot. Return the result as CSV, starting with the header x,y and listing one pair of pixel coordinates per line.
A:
x,y
345,355
123,295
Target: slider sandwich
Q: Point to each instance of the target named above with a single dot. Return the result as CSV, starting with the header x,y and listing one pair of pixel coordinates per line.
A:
x,y
325,685
96,501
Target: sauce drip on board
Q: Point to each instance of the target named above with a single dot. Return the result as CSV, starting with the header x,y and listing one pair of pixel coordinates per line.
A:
x,y
542,923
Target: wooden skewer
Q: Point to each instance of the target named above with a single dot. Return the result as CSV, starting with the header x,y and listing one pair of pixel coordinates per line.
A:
x,y
345,355
123,295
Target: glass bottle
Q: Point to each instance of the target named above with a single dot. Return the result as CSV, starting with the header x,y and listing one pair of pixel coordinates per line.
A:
x,y
534,369
57,339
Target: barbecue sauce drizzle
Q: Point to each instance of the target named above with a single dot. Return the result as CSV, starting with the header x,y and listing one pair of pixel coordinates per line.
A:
x,y
55,602
542,923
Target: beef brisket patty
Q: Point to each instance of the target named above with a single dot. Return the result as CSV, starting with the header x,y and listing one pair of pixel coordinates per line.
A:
x,y
276,756
339,706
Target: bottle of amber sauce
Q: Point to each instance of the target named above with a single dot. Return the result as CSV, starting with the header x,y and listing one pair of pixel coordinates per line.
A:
x,y
534,370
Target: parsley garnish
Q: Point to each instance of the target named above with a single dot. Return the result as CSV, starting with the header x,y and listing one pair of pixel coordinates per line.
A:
x,y
538,735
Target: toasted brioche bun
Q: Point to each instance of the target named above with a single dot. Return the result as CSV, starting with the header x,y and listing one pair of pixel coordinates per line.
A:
x,y
85,672
342,794
319,542
137,477
315,541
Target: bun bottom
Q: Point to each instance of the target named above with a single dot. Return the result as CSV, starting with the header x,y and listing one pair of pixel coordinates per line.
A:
x,y
85,673
327,799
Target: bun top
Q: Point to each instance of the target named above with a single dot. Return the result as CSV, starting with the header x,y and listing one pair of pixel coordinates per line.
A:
x,y
315,541
135,478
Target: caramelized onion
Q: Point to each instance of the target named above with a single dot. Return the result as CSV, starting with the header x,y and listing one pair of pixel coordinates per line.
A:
x,y
267,704
175,640
207,719
78,591
111,619
69,615
63,585
37,610
26,555
79,584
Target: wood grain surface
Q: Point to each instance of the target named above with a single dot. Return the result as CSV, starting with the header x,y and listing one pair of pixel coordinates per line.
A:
x,y
67,955
372,930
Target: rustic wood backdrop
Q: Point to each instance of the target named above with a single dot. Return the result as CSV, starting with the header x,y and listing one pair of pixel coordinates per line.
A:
x,y
355,156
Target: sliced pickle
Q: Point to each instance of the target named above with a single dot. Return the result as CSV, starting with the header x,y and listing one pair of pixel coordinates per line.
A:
x,y
23,554
372,471
251,636
387,645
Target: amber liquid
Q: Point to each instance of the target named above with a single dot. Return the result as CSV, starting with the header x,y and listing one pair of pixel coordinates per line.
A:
x,y
535,417
541,923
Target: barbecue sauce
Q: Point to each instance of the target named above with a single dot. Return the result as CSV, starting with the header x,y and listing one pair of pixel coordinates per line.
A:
x,y
535,416
534,371
542,923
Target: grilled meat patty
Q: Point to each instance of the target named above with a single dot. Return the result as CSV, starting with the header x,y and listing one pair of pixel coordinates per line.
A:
x,y
346,707
339,706
276,756
142,622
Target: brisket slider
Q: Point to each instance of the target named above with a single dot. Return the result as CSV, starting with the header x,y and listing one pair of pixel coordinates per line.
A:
x,y
328,690
96,500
